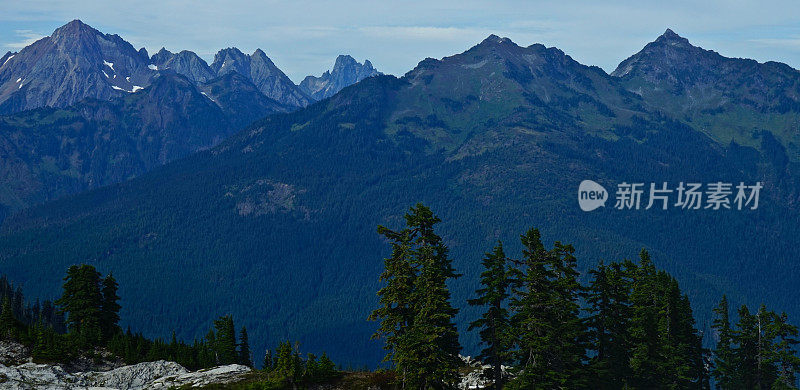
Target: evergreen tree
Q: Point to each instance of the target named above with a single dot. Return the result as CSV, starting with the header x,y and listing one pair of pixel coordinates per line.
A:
x,y
311,367
569,329
109,308
8,323
725,365
395,312
224,341
430,346
747,353
785,358
267,364
415,311
531,322
326,368
646,358
288,363
81,300
550,334
495,322
244,348
609,307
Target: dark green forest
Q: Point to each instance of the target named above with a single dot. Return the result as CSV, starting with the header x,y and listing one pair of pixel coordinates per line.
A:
x,y
631,326
293,200
84,322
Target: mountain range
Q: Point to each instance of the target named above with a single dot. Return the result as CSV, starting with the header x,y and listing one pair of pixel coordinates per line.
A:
x,y
276,224
85,109
346,71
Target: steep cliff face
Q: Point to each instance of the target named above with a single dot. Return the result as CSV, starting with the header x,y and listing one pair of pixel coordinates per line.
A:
x,y
74,63
185,62
346,71
260,70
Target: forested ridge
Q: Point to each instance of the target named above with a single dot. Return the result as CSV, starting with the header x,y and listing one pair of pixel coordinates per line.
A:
x,y
496,139
631,326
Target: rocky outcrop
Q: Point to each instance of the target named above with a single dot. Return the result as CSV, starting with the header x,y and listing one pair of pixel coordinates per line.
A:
x,y
74,63
12,353
151,375
185,62
260,70
346,72
78,62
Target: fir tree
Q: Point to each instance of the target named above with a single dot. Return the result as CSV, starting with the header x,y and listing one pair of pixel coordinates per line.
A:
x,y
244,348
8,323
395,312
609,307
747,353
430,346
288,362
569,329
785,358
109,308
646,357
81,300
530,303
550,335
326,368
495,322
267,364
224,341
725,364
415,314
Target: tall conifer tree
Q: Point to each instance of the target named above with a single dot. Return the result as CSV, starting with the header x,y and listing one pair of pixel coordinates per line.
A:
x,y
494,324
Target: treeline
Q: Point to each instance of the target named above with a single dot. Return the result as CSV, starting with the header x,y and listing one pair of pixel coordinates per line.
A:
x,y
13,300
91,327
630,327
759,353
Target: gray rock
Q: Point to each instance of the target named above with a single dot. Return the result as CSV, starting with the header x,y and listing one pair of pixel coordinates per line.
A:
x,y
74,63
12,353
151,375
185,62
260,70
346,72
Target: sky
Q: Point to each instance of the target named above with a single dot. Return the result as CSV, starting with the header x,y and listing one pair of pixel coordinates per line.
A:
x,y
304,37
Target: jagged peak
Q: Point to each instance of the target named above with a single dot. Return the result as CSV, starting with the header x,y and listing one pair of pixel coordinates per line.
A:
x,y
496,40
670,37
74,27
342,58
228,51
259,53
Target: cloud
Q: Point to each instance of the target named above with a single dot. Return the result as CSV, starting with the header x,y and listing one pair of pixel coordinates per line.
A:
x,y
788,43
422,32
26,38
304,36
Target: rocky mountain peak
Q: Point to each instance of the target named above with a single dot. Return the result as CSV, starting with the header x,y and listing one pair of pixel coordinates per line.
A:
x,y
669,37
494,40
74,63
262,72
186,63
346,71
74,28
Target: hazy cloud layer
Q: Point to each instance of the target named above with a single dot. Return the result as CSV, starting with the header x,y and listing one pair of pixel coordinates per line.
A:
x,y
304,37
